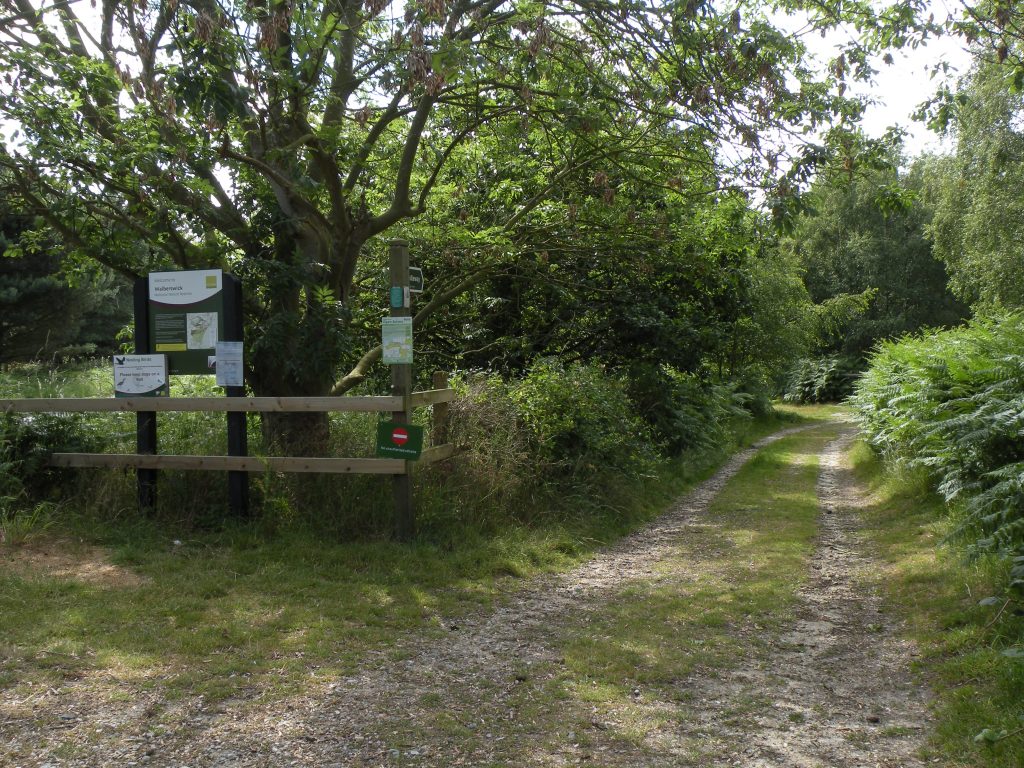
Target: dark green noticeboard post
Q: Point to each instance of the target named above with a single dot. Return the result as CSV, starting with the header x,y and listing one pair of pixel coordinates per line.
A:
x,y
186,318
183,315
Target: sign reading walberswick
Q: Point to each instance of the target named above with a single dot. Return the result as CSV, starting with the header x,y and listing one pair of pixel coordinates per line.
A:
x,y
186,318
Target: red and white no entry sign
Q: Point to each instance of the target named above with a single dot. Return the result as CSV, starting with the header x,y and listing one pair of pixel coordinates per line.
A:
x,y
399,441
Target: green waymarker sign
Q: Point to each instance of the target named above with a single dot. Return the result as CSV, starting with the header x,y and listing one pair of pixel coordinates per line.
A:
x,y
399,441
186,318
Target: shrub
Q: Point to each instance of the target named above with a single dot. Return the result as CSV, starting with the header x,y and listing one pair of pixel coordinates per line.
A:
x,y
26,443
952,403
828,379
687,412
581,421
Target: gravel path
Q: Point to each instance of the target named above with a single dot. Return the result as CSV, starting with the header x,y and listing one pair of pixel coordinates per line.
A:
x,y
836,682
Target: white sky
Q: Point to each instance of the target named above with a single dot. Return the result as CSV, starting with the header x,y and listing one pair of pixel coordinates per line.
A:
x,y
898,89
902,87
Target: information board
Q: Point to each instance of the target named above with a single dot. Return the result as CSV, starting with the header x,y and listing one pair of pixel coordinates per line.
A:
x,y
186,318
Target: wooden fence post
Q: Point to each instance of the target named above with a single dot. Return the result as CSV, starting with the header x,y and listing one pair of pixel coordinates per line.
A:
x,y
439,415
401,386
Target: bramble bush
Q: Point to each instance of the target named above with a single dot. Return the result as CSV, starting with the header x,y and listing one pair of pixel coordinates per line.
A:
x,y
952,403
581,420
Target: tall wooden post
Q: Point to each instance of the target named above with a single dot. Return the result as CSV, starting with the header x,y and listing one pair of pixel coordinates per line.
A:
x,y
238,436
145,421
401,386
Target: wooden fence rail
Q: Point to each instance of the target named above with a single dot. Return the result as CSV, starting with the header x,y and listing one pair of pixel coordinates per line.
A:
x,y
431,397
368,404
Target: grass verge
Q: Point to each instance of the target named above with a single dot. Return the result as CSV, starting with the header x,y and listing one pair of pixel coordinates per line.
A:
x,y
979,688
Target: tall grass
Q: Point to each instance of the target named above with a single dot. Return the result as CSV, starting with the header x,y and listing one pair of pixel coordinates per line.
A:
x,y
561,442
969,647
952,404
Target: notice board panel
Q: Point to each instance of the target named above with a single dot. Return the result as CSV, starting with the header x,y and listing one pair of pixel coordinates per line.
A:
x,y
186,318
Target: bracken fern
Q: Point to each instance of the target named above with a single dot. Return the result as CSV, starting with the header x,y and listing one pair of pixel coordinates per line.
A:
x,y
952,402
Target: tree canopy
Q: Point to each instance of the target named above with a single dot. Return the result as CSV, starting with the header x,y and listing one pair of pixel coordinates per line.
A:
x,y
868,234
979,212
279,138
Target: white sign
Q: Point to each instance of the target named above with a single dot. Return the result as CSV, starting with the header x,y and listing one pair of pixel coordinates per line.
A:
x,y
189,287
228,363
140,376
396,340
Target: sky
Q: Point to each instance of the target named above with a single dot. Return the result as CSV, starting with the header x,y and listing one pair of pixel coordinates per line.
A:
x,y
898,89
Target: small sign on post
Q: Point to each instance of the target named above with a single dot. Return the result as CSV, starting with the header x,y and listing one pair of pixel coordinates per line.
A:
x,y
396,340
415,280
228,364
399,441
140,376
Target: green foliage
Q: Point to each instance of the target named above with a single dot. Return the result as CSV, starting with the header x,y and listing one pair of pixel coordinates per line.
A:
x,y
827,379
581,420
978,208
952,403
286,143
47,308
867,264
19,523
527,447
28,487
687,412
969,648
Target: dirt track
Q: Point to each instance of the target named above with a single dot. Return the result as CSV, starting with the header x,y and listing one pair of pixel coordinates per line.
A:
x,y
831,691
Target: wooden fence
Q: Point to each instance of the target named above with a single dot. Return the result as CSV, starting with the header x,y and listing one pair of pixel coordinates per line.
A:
x,y
439,450
430,397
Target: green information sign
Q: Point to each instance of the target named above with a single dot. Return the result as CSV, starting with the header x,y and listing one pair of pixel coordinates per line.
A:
x,y
186,318
399,441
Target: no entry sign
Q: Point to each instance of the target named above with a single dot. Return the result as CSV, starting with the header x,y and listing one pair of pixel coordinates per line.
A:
x,y
399,441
